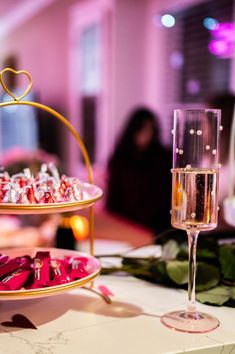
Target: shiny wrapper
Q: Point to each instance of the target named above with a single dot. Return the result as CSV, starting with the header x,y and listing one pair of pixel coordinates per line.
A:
x,y
31,195
3,259
45,188
78,268
47,198
41,270
59,274
22,198
15,280
9,267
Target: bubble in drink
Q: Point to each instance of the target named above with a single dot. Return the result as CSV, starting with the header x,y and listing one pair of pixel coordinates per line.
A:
x,y
194,199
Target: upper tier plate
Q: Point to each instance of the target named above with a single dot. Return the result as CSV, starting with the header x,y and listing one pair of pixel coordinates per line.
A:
x,y
93,193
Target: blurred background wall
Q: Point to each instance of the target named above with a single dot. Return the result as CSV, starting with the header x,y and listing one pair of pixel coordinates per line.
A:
x,y
95,60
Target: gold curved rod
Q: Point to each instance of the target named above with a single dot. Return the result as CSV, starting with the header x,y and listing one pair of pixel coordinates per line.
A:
x,y
65,122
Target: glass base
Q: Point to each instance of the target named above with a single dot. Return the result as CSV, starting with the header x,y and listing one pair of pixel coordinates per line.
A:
x,y
183,321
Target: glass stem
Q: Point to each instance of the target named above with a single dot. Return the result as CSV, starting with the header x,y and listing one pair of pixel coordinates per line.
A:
x,y
192,250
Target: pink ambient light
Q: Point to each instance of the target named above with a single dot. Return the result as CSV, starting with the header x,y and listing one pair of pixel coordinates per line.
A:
x,y
221,48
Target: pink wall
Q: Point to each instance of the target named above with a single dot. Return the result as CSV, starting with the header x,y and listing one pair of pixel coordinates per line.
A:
x,y
42,47
129,59
137,57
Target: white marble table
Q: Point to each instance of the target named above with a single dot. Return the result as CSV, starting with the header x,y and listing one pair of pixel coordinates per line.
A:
x,y
80,322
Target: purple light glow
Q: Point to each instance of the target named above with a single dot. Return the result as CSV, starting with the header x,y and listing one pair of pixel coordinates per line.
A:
x,y
221,48
193,86
225,30
176,60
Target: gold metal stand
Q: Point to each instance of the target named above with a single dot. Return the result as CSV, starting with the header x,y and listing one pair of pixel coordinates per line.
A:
x,y
33,208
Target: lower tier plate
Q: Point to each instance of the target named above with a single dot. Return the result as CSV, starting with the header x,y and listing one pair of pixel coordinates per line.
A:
x,y
93,267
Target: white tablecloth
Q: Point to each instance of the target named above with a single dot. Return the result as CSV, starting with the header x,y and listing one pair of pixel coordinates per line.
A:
x,y
80,322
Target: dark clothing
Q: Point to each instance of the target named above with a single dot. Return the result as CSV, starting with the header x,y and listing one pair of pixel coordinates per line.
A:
x,y
139,186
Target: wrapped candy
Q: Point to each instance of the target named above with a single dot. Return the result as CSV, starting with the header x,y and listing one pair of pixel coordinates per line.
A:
x,y
47,198
64,185
11,265
11,193
46,187
41,270
77,190
15,280
68,194
78,268
54,172
22,198
58,270
8,267
20,179
3,259
31,195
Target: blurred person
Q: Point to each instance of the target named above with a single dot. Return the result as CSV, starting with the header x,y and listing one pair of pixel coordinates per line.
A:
x,y
139,178
225,102
18,124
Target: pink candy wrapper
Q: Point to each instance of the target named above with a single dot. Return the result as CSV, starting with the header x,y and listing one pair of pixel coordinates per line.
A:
x,y
8,267
78,270
15,280
59,274
3,259
41,270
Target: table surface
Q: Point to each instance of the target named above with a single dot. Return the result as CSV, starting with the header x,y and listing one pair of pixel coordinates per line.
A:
x,y
80,322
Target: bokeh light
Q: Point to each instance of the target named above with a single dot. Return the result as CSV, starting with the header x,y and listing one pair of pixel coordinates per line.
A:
x,y
176,60
80,227
193,86
220,47
225,30
210,23
168,20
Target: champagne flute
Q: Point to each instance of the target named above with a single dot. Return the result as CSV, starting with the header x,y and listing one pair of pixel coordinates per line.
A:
x,y
194,199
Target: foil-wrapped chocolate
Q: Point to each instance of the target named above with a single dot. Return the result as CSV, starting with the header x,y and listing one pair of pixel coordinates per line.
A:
x,y
46,187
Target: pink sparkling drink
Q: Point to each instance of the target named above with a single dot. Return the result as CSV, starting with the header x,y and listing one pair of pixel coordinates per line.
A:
x,y
194,199
195,177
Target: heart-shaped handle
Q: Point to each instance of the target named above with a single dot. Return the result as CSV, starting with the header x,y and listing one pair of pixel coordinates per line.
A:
x,y
16,73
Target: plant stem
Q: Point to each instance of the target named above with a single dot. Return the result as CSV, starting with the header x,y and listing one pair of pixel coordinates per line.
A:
x,y
192,250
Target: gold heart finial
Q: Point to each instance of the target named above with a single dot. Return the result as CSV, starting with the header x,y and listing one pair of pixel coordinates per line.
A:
x,y
16,72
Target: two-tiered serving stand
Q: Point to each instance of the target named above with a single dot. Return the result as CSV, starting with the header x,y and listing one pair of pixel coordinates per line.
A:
x,y
94,193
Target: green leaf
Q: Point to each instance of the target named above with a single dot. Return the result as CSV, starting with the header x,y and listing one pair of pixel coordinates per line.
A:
x,y
170,250
205,253
216,296
178,271
227,260
159,266
207,277
233,293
